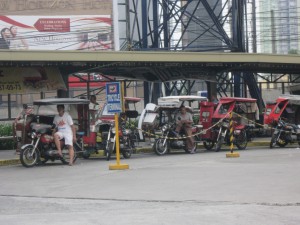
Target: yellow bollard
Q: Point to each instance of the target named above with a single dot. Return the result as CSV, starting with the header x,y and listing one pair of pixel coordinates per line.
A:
x,y
118,166
231,154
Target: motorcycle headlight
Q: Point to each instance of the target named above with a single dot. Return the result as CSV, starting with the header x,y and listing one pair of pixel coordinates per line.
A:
x,y
33,135
165,127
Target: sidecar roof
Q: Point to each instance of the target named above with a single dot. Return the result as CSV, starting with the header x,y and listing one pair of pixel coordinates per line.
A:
x,y
61,101
176,101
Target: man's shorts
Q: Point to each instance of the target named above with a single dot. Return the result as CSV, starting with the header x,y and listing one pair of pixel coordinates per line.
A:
x,y
68,138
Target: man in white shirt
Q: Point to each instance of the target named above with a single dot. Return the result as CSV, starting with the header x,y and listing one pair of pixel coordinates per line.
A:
x,y
65,129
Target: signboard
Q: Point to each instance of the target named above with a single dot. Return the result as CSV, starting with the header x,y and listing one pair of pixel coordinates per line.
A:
x,y
114,97
30,80
87,32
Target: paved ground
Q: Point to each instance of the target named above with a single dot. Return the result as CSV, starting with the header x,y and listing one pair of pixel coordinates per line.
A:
x,y
260,187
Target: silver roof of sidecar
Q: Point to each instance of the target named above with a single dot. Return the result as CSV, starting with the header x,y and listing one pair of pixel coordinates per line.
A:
x,y
61,101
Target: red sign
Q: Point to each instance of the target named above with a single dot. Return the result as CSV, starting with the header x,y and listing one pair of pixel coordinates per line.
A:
x,y
53,25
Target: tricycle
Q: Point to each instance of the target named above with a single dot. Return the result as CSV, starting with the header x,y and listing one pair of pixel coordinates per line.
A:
x,y
283,116
162,119
215,121
105,130
38,146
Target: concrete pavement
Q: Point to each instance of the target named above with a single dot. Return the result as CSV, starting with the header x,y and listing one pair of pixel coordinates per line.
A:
x,y
260,187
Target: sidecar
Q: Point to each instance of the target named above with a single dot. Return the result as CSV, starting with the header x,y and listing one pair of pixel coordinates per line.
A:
x,y
286,106
155,117
245,113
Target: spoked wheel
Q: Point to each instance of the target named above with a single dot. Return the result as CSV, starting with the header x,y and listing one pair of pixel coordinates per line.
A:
x,y
282,143
127,153
66,156
29,157
109,150
219,144
241,140
160,148
208,145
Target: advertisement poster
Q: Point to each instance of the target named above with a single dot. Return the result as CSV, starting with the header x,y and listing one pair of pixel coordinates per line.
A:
x,y
30,80
92,33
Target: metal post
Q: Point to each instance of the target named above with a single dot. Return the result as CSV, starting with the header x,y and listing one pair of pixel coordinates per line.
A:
x,y
231,154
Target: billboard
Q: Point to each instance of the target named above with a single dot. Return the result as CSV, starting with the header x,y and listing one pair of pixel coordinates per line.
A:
x,y
30,80
89,32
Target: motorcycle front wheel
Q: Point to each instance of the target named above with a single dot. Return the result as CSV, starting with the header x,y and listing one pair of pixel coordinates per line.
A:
x,y
109,150
219,144
27,159
241,140
66,156
273,141
160,148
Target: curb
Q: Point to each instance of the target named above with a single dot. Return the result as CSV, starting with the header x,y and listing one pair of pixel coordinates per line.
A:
x,y
8,162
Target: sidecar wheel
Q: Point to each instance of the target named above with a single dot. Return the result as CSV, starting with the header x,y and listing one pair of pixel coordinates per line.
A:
x,y
159,148
26,159
86,155
66,157
208,145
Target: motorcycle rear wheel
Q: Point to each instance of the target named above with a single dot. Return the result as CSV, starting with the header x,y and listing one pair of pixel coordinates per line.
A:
x,y
27,160
127,153
159,148
208,145
241,140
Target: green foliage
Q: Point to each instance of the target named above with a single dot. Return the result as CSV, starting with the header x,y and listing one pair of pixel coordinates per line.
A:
x,y
293,51
132,123
6,130
196,119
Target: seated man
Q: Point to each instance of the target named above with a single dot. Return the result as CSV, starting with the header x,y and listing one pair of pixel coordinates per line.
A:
x,y
184,121
64,129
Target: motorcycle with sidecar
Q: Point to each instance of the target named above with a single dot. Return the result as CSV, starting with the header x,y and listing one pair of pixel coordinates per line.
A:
x,y
215,121
38,146
105,130
162,119
283,116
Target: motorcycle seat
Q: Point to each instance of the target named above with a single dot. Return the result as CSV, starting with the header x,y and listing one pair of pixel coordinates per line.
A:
x,y
200,126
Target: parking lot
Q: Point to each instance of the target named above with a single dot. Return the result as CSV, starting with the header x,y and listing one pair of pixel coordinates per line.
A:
x,y
260,187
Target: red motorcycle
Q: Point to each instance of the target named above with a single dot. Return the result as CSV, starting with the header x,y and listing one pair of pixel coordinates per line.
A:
x,y
39,146
42,147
